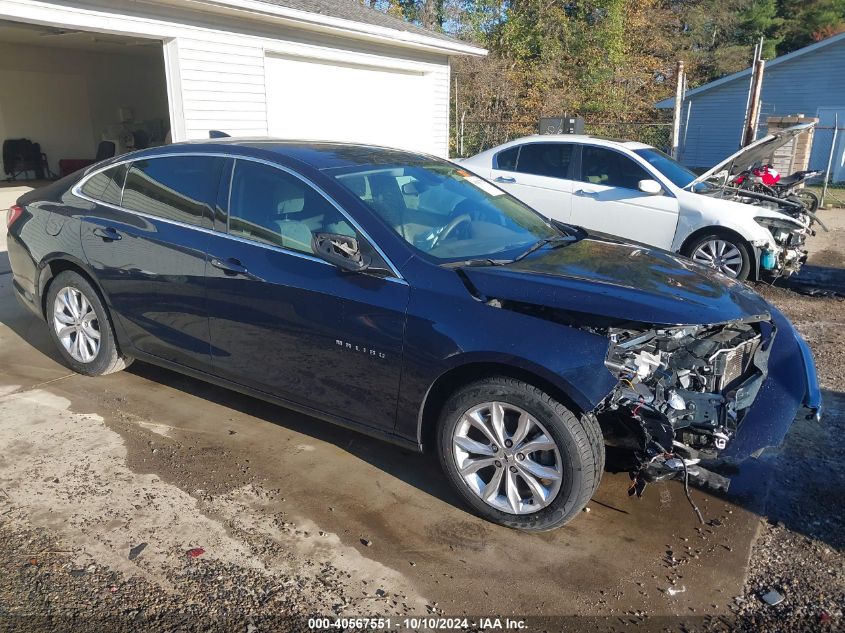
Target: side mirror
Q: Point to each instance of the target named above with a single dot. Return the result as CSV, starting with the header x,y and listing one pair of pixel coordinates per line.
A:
x,y
340,250
651,187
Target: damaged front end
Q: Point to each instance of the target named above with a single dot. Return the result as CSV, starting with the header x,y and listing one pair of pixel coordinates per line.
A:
x,y
682,394
790,224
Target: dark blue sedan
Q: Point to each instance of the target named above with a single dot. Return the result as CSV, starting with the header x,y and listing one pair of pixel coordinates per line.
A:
x,y
400,295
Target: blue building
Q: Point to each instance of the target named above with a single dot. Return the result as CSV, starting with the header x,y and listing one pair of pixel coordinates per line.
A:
x,y
809,81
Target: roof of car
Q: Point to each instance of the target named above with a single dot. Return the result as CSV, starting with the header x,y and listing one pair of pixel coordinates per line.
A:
x,y
564,138
317,154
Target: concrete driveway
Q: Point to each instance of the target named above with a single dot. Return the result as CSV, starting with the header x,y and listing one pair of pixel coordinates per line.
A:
x,y
292,507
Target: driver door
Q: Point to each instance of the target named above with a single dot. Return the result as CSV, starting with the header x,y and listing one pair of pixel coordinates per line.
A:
x,y
290,324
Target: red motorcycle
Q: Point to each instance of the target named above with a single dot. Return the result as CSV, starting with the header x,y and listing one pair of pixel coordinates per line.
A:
x,y
766,179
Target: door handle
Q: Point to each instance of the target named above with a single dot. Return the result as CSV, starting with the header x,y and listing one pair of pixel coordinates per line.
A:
x,y
230,266
505,179
585,193
108,234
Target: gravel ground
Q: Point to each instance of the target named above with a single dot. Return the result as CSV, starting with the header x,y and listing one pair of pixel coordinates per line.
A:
x,y
800,551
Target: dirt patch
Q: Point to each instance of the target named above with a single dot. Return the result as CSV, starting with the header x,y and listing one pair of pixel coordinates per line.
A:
x,y
67,477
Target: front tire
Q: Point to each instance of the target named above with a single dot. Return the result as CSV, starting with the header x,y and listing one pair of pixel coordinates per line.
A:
x,y
80,327
728,254
517,456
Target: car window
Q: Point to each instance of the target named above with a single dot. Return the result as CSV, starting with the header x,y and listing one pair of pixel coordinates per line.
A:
x,y
506,159
443,210
545,159
174,187
272,206
107,185
603,166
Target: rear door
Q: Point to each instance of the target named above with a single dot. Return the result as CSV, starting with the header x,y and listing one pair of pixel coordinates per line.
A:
x,y
539,174
288,323
145,238
607,199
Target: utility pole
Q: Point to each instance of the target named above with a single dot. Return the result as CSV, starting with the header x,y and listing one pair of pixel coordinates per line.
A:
x,y
752,115
679,100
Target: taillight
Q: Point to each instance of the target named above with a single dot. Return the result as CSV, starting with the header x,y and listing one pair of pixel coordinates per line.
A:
x,y
14,213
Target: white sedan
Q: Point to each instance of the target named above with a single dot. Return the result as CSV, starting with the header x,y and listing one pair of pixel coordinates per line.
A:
x,y
637,192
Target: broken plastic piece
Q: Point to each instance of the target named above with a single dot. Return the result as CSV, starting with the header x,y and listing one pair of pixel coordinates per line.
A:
x,y
772,598
195,552
135,552
673,591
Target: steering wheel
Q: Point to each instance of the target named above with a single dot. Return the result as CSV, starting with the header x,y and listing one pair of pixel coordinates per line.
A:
x,y
447,229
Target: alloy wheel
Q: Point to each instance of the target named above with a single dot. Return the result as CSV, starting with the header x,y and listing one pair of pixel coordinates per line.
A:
x,y
721,255
76,325
507,458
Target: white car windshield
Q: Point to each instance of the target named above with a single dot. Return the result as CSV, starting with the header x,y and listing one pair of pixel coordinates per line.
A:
x,y
446,212
679,175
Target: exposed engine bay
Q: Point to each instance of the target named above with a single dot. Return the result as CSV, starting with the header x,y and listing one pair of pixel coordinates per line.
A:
x,y
682,393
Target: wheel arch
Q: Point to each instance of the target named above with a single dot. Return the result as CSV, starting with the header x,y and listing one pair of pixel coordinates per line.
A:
x,y
458,376
726,232
51,267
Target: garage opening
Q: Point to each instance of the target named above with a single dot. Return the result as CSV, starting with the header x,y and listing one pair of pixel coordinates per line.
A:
x,y
75,94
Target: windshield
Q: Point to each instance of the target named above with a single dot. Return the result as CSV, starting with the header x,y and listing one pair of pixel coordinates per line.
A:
x,y
679,175
445,211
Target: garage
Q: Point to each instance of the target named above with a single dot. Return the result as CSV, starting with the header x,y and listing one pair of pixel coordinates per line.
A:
x,y
75,93
77,74
334,101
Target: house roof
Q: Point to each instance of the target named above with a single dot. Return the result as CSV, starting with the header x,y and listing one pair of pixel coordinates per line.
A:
x,y
812,48
353,18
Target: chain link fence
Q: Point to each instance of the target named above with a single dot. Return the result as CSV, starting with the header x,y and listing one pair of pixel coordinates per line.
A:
x,y
471,137
828,155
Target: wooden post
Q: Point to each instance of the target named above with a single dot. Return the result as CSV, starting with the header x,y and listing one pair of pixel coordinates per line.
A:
x,y
754,105
757,52
679,101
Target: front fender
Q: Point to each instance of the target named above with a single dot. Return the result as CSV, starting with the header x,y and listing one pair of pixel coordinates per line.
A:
x,y
734,216
472,333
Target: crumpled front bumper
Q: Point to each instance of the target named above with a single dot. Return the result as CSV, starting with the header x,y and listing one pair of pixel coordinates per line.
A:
x,y
790,388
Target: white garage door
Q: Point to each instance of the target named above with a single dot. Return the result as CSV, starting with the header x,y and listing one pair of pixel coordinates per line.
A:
x,y
311,99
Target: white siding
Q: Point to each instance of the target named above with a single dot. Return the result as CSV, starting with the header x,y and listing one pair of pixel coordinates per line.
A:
x,y
222,88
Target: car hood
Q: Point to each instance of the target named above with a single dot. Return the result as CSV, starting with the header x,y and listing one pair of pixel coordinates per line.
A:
x,y
758,151
603,279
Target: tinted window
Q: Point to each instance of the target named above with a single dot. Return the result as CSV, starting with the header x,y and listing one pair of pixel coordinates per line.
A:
x,y
107,185
271,206
507,159
602,166
176,187
545,159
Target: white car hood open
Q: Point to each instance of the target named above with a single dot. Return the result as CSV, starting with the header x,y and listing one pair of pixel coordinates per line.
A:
x,y
755,152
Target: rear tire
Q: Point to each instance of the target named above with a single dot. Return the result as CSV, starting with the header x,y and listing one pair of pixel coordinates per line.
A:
x,y
726,253
810,200
80,327
538,482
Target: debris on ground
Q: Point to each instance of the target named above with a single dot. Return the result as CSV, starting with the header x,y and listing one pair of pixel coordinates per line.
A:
x,y
135,552
195,552
772,598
